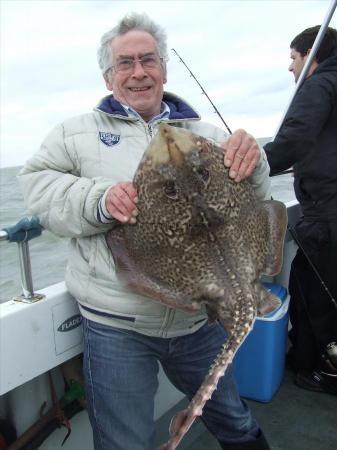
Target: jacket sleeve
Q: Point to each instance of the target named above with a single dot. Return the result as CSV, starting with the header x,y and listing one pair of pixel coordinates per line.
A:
x,y
53,189
307,115
260,179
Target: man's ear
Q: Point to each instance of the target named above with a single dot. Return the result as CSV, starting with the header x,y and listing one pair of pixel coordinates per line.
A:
x,y
314,62
165,72
108,80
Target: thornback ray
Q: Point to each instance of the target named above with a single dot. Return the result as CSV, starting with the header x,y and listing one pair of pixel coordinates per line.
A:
x,y
201,240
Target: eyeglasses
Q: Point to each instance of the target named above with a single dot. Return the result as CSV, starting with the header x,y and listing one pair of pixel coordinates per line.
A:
x,y
127,65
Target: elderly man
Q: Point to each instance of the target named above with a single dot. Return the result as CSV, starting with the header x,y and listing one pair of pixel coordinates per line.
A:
x,y
79,183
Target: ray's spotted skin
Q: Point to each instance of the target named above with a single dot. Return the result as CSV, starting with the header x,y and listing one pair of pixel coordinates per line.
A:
x,y
200,239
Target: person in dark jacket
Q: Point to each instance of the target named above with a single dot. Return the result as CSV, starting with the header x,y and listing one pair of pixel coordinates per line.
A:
x,y
307,141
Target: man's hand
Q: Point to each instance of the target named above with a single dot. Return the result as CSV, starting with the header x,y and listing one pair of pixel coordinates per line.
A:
x,y
121,201
242,154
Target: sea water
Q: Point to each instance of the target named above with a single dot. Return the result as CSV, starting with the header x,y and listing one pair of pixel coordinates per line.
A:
x,y
48,252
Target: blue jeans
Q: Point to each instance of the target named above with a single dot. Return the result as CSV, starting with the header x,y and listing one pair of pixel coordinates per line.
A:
x,y
120,370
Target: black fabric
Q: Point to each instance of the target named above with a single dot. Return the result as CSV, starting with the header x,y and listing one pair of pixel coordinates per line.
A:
x,y
258,444
312,313
316,381
307,141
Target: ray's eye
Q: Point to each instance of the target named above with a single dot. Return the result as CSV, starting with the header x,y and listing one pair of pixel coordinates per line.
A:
x,y
171,190
204,173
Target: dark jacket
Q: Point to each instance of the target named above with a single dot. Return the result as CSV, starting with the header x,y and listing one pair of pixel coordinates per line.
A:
x,y
307,141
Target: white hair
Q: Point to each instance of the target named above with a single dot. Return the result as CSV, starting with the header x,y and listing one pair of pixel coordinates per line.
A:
x,y
132,21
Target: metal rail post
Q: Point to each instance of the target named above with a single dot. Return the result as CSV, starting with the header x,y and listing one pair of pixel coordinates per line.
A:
x,y
21,233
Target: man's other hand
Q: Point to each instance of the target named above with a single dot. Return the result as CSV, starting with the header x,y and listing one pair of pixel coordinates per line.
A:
x,y
242,154
121,201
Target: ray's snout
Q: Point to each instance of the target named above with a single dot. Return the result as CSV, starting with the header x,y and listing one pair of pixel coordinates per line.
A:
x,y
170,144
176,156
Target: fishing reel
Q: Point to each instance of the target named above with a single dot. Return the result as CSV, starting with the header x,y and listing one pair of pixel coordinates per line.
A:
x,y
330,356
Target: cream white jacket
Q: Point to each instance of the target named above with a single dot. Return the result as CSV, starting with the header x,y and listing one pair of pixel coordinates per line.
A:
x,y
62,184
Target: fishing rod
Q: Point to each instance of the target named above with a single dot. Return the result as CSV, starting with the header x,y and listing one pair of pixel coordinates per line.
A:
x,y
203,91
324,286
215,108
283,172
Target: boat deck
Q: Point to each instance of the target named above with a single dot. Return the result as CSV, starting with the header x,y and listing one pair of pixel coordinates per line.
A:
x,y
295,419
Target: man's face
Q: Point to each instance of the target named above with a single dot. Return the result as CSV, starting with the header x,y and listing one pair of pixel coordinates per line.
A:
x,y
297,63
141,88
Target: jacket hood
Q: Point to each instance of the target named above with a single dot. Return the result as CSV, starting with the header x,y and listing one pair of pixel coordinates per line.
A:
x,y
179,109
329,64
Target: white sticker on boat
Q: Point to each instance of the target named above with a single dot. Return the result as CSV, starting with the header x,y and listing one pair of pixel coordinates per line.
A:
x,y
66,324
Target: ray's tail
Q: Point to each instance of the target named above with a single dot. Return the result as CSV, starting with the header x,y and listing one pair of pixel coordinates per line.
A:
x,y
242,323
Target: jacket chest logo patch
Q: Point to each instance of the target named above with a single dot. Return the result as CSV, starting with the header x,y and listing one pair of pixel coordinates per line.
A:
x,y
109,139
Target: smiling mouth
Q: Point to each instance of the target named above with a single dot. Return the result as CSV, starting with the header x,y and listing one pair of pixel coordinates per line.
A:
x,y
139,89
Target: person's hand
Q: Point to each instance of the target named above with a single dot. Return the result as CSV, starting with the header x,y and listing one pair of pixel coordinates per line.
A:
x,y
242,154
120,202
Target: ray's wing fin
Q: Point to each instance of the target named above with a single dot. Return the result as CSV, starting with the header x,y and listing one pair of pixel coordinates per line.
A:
x,y
137,281
266,301
277,226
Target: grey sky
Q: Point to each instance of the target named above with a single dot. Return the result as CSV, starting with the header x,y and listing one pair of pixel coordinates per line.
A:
x,y
239,50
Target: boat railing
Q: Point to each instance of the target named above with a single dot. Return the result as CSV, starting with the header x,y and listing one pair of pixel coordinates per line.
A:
x,y
22,232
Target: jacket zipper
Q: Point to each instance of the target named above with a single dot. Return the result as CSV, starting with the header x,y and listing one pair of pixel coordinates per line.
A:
x,y
167,322
148,130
